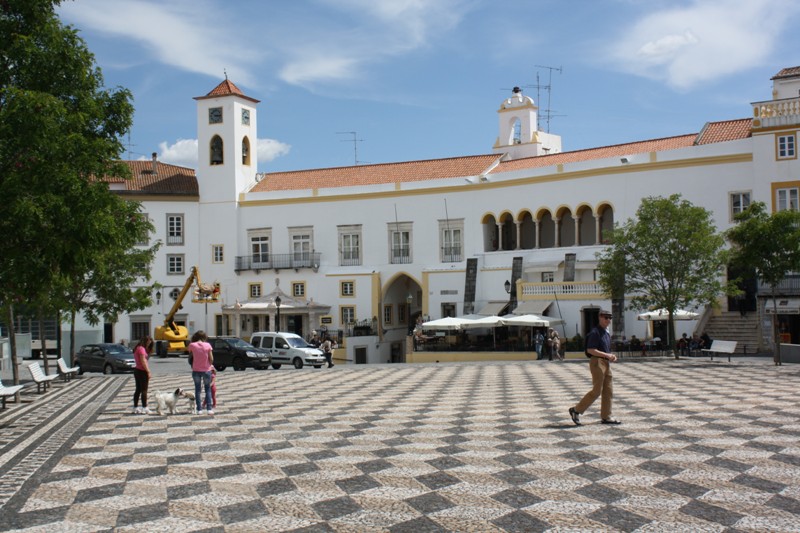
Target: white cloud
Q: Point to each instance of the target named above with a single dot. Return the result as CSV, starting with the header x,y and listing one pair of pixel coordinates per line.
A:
x,y
703,41
185,34
184,152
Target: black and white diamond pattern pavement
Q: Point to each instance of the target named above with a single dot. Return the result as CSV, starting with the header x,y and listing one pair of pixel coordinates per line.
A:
x,y
704,446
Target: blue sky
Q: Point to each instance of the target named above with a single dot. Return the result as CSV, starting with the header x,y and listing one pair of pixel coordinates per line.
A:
x,y
423,79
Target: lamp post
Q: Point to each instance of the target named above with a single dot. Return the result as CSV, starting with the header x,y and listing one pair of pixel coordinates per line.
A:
x,y
507,285
277,313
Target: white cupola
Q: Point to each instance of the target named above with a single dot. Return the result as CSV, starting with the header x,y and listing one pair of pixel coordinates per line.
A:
x,y
518,136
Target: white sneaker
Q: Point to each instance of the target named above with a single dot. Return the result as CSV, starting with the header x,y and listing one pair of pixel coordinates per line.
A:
x,y
210,412
137,410
201,412
147,411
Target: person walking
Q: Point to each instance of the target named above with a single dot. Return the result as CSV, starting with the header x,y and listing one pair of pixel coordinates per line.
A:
x,y
327,350
202,364
141,374
598,347
538,342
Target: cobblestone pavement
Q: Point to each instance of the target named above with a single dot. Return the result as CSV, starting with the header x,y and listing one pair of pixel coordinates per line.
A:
x,y
704,446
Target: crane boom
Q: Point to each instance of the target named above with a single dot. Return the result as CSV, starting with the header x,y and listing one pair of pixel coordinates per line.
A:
x,y
174,337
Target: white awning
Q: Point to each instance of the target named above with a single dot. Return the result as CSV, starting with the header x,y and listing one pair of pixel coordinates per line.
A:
x,y
493,309
785,306
532,307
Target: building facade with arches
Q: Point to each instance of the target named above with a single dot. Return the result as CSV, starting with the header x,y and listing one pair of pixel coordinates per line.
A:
x,y
388,243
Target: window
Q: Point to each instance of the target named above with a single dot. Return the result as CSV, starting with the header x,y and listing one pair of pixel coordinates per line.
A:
x,y
217,253
301,239
259,248
448,309
450,233
216,150
350,245
348,314
145,240
787,147
387,314
347,288
174,229
139,328
175,264
786,199
298,289
246,151
739,202
401,313
548,277
400,242
255,290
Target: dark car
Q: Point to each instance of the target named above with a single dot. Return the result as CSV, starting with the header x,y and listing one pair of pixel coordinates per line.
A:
x,y
232,351
106,358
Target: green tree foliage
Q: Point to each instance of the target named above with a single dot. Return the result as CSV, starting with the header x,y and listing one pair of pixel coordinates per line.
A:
x,y
61,132
768,243
670,256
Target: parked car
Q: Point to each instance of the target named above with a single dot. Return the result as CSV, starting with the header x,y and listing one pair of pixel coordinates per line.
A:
x,y
239,354
288,348
105,357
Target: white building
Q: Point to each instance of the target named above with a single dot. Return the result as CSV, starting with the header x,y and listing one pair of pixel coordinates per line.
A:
x,y
382,244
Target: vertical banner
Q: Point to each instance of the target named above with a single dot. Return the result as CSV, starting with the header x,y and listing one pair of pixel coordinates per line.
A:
x,y
569,267
469,285
516,273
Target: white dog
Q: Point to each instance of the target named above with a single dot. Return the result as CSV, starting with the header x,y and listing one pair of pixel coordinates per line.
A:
x,y
168,400
192,405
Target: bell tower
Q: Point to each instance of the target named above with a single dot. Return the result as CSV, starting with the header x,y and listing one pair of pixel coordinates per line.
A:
x,y
226,143
518,136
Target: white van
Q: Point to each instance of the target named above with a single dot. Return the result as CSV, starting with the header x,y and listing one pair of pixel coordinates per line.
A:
x,y
288,348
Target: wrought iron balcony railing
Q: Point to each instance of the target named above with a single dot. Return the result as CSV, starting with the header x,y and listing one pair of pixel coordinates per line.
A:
x,y
277,261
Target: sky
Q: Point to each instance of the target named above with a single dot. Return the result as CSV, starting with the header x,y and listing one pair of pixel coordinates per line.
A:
x,y
342,82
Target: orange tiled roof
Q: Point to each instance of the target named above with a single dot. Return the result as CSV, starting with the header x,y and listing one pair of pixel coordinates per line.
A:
x,y
789,72
226,88
168,179
726,130
405,172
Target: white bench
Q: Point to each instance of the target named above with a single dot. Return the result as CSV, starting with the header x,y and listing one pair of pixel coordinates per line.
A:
x,y
42,380
720,347
67,372
5,392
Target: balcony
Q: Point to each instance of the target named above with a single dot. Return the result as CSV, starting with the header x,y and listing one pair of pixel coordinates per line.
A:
x,y
277,261
452,254
784,112
790,286
566,289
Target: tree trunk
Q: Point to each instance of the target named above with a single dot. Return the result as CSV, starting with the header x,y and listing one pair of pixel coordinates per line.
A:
x,y
12,339
43,340
776,357
73,314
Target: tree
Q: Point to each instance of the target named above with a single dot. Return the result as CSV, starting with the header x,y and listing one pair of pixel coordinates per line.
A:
x,y
670,257
770,244
60,130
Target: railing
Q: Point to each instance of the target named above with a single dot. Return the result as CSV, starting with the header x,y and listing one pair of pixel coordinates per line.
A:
x,y
401,255
175,239
277,261
790,285
776,112
565,288
349,259
451,254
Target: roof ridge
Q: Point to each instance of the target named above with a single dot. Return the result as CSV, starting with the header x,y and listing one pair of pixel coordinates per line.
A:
x,y
372,165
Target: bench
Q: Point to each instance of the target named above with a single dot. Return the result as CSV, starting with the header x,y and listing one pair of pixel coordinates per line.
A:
x,y
42,380
720,347
67,372
5,392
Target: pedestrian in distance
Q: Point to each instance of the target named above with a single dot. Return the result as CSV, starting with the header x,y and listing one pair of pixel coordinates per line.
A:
x,y
141,374
327,350
598,348
202,362
538,342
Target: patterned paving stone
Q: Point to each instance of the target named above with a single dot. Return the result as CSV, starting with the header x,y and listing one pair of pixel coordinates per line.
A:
x,y
456,447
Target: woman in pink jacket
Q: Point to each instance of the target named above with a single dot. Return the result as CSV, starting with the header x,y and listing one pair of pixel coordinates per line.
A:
x,y
202,362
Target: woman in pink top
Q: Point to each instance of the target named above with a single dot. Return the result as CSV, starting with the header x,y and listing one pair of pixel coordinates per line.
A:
x,y
141,374
202,363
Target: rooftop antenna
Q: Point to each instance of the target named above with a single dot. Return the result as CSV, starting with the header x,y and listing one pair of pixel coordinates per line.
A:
x,y
355,140
547,112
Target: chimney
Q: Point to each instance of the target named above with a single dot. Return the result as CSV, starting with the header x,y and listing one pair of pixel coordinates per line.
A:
x,y
155,163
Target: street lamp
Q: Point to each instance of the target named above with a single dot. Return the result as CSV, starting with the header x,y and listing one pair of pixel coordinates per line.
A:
x,y
158,297
278,313
507,285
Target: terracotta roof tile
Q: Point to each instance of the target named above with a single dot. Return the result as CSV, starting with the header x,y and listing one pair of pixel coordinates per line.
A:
x,y
168,179
404,172
789,72
225,88
727,130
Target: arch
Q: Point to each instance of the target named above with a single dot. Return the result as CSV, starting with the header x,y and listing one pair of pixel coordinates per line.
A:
x,y
547,229
491,236
586,233
567,227
605,213
216,150
396,276
246,151
395,292
508,239
516,128
527,230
